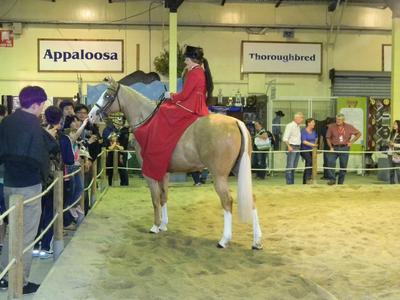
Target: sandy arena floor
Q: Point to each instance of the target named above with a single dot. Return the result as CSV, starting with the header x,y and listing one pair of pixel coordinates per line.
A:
x,y
320,243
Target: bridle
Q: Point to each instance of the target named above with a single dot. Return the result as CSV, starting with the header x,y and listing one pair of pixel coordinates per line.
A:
x,y
112,94
109,98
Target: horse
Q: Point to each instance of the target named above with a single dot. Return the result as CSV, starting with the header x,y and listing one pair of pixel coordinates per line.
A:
x,y
217,142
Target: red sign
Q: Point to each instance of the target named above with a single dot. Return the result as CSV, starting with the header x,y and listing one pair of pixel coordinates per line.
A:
x,y
6,38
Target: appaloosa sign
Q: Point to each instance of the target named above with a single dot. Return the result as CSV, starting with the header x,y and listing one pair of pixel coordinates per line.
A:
x,y
56,55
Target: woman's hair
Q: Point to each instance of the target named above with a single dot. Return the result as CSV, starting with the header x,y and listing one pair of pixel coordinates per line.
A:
x,y
308,121
53,115
196,54
394,131
68,121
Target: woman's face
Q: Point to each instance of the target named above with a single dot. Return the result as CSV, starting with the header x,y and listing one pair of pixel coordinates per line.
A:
x,y
189,62
395,126
76,124
311,124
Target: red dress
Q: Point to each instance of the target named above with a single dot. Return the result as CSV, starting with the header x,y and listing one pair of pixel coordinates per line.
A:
x,y
158,137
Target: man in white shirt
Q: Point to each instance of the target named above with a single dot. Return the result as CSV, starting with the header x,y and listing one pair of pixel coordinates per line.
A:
x,y
292,139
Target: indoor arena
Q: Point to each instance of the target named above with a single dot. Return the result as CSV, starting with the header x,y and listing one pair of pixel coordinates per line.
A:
x,y
199,149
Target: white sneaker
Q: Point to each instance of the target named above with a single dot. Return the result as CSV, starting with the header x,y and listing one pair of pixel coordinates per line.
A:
x,y
35,252
45,254
73,213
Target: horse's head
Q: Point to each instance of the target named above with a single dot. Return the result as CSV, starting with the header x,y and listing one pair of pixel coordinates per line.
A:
x,y
108,102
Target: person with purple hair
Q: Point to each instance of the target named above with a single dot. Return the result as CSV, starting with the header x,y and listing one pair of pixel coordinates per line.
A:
x,y
25,157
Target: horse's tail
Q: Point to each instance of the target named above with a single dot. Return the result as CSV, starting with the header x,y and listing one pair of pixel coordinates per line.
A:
x,y
245,189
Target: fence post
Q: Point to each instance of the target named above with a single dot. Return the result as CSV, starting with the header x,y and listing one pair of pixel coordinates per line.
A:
x,y
82,200
104,169
115,168
314,165
94,185
58,202
16,238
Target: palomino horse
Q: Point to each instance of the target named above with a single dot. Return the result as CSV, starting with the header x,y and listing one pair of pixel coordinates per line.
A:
x,y
220,143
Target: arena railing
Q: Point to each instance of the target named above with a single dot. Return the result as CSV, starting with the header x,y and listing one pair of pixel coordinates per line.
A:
x,y
270,153
15,214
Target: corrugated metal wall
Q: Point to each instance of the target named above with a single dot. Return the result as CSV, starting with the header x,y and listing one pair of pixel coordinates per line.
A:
x,y
376,84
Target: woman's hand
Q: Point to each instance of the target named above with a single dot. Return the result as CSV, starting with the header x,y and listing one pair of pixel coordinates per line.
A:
x,y
167,95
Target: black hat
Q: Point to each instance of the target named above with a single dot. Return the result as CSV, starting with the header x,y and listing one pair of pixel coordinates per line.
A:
x,y
280,113
53,115
194,52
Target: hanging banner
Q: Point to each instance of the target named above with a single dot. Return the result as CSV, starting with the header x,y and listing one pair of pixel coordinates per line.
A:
x,y
386,58
6,38
56,55
281,57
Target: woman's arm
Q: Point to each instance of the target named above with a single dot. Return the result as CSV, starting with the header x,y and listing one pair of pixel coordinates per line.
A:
x,y
78,133
188,87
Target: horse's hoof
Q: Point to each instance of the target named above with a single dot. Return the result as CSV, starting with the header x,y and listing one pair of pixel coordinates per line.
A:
x,y
155,229
163,227
220,246
257,247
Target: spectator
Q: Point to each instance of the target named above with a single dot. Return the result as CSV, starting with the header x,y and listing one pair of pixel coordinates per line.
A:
x,y
3,112
52,122
67,108
91,141
292,139
339,138
309,140
324,144
276,129
394,137
25,156
263,141
116,137
199,178
70,153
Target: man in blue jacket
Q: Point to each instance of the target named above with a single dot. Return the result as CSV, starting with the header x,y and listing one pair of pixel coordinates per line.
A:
x,y
25,157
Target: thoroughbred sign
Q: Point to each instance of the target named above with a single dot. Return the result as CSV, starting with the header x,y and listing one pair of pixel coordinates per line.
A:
x,y
281,57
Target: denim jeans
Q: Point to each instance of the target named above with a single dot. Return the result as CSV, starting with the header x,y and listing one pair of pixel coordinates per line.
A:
x,y
291,163
2,202
73,188
259,162
307,156
343,160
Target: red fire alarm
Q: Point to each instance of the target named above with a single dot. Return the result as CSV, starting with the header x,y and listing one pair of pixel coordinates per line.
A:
x,y
6,38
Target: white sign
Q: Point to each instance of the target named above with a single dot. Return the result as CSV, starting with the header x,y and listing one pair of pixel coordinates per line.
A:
x,y
387,58
281,57
80,55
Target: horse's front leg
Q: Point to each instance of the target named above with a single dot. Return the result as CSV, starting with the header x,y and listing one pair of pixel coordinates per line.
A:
x,y
155,191
164,199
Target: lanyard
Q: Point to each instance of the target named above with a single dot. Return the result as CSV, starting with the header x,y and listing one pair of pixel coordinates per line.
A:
x,y
341,131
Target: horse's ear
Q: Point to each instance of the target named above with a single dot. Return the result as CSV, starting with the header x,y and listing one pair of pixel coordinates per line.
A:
x,y
109,79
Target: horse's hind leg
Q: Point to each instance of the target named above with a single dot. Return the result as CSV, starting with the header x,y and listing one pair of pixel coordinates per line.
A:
x,y
164,198
222,189
155,191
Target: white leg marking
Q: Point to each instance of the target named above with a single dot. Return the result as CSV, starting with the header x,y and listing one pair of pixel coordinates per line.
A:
x,y
164,218
154,229
227,230
257,244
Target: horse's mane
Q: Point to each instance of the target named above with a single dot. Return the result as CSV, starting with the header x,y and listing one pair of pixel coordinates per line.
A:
x,y
138,95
